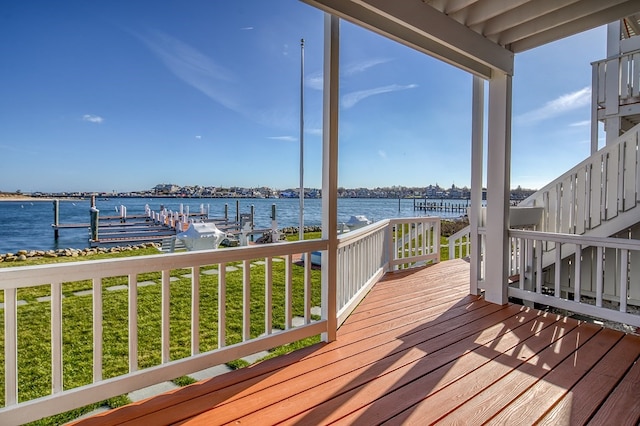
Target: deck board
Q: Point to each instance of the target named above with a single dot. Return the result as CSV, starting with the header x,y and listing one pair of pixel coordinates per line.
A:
x,y
417,350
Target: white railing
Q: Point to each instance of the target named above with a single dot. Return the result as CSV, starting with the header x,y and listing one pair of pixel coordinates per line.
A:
x,y
362,260
366,254
413,242
601,281
604,187
460,243
363,257
170,271
624,72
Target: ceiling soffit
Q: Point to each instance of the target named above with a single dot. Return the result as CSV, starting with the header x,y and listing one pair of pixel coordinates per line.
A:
x,y
478,35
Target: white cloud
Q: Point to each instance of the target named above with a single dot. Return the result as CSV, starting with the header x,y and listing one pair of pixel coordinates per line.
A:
x,y
314,80
561,104
193,67
351,99
314,131
382,154
283,138
92,118
580,123
198,137
358,67
246,28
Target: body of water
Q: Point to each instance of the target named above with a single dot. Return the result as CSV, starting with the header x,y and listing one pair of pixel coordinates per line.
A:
x,y
27,224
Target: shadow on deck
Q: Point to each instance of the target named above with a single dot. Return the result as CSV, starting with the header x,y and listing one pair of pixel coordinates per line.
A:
x,y
420,350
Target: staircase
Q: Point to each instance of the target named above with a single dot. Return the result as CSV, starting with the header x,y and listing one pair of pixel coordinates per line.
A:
x,y
600,197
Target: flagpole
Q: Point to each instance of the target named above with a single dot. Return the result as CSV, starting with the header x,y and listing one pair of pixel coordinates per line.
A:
x,y
301,227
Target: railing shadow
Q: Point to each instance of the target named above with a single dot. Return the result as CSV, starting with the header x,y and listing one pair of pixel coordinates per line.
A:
x,y
466,350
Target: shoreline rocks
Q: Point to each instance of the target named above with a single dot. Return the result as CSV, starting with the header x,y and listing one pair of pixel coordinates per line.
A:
x,y
22,255
290,230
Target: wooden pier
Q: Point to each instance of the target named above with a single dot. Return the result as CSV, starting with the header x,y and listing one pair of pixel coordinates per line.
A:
x,y
154,226
440,206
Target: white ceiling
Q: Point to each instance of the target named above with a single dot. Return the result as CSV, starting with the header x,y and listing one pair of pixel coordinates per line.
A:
x,y
480,35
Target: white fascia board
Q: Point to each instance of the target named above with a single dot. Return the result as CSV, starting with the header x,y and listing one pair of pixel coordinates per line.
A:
x,y
518,16
482,11
420,26
566,23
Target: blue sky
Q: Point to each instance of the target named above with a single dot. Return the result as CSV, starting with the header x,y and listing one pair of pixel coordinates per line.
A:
x,y
124,95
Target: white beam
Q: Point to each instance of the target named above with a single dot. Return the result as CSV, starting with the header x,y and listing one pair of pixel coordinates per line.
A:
x,y
571,20
477,148
498,181
483,11
430,23
519,15
330,174
421,27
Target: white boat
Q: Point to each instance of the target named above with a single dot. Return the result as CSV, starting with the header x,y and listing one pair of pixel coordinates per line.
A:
x,y
201,236
357,222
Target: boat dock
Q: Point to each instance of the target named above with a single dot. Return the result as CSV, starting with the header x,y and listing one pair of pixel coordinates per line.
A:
x,y
440,206
154,226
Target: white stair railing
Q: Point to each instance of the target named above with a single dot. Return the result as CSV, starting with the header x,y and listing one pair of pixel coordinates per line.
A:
x,y
625,72
596,196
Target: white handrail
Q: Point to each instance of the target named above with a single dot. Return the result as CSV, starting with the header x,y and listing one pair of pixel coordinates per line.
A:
x,y
606,269
366,254
595,191
415,241
363,257
456,240
54,275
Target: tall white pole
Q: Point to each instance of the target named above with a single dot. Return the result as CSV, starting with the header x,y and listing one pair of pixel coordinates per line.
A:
x,y
301,228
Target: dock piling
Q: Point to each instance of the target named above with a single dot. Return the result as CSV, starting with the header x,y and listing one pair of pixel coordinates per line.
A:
x,y
94,222
56,219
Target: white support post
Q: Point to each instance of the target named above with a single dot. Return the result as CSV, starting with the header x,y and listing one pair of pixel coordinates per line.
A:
x,y
612,84
195,310
330,174
133,322
594,108
498,181
475,213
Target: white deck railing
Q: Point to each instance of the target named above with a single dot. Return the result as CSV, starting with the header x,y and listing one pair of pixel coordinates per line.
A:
x,y
624,71
56,276
413,242
366,254
363,257
600,282
460,243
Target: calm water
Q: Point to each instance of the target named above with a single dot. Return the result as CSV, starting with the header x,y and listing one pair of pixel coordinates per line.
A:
x,y
27,224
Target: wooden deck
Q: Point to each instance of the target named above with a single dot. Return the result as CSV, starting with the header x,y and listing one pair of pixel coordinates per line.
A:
x,y
420,350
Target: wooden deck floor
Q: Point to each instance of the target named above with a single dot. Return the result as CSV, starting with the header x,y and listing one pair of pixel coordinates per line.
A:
x,y
419,350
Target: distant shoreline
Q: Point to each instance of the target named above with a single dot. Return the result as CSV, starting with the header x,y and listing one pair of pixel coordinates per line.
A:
x,y
13,197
